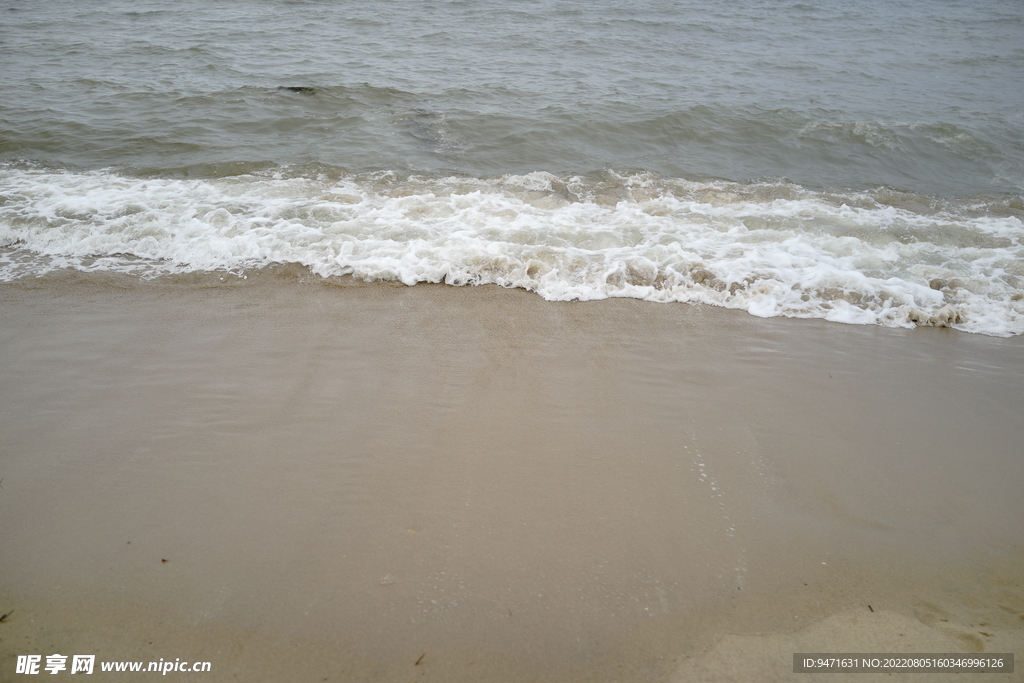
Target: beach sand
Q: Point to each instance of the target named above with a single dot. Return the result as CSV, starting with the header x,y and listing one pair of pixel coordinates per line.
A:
x,y
370,482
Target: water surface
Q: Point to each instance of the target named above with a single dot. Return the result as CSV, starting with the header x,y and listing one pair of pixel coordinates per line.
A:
x,y
859,161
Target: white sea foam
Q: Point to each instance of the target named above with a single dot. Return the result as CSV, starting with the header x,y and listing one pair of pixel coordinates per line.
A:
x,y
771,248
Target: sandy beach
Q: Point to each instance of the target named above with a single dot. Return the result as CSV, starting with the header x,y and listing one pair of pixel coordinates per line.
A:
x,y
371,482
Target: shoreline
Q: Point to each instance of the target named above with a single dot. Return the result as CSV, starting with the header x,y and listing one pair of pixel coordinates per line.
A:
x,y
343,478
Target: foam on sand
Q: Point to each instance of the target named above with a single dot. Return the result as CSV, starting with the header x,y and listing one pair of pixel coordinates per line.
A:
x,y
771,248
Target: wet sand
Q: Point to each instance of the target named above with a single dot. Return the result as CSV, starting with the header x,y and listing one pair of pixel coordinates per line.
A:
x,y
353,482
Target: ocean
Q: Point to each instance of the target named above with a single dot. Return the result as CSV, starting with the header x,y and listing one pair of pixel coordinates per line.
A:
x,y
859,161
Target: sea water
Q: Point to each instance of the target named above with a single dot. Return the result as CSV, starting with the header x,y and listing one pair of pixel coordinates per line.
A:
x,y
858,161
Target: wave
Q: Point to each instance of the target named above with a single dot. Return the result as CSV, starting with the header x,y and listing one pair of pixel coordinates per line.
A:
x,y
770,247
366,128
